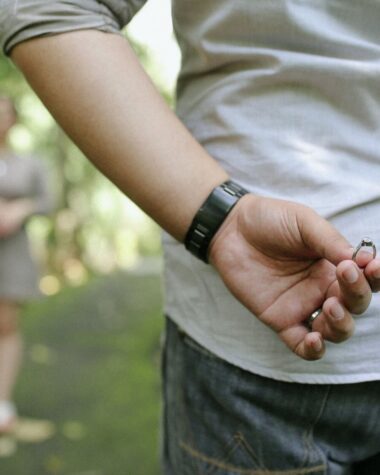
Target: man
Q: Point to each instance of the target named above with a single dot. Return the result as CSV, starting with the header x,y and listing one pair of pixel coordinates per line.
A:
x,y
277,104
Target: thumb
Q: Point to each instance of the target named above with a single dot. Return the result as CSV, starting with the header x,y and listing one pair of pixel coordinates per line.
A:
x,y
323,238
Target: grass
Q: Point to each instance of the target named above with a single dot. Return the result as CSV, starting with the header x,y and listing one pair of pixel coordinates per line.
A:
x,y
92,369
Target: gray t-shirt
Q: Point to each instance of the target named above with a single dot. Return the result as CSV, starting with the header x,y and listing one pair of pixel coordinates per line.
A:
x,y
285,94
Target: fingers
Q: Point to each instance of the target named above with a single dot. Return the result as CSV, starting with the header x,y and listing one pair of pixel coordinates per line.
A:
x,y
335,323
321,236
363,257
311,347
355,290
307,345
372,273
351,293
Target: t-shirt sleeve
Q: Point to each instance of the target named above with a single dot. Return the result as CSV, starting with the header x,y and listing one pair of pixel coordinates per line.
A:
x,y
21,20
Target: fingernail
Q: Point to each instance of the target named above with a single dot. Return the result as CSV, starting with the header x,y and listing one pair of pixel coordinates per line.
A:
x,y
351,275
337,311
368,251
317,345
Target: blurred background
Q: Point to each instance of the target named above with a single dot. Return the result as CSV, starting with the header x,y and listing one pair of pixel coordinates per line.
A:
x,y
89,391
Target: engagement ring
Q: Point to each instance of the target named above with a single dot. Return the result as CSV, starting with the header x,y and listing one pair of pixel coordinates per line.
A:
x,y
365,242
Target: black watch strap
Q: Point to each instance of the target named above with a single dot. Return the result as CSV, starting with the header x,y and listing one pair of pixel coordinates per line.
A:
x,y
210,217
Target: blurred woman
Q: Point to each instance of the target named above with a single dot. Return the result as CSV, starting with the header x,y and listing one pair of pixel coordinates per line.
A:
x,y
23,193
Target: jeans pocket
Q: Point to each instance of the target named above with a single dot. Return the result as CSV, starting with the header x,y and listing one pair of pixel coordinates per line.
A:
x,y
236,457
221,420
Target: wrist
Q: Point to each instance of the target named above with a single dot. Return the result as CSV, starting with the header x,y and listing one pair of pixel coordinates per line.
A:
x,y
210,217
223,244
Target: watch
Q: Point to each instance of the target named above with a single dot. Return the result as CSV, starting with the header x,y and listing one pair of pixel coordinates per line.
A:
x,y
210,217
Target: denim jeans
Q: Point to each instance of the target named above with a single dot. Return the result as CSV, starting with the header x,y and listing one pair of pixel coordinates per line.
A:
x,y
221,420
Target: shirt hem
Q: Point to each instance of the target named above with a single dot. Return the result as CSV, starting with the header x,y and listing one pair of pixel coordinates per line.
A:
x,y
282,375
313,379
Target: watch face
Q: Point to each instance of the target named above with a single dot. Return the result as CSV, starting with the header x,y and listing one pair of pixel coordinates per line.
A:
x,y
210,217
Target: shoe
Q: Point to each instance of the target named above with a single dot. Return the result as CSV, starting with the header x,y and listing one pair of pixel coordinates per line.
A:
x,y
8,417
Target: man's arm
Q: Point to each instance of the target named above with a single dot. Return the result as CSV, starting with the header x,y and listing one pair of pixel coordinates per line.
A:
x,y
95,87
281,260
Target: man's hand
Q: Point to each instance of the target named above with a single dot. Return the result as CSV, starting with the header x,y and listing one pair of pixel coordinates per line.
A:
x,y
283,261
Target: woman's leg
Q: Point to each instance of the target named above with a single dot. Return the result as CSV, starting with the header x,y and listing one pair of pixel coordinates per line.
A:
x,y
10,360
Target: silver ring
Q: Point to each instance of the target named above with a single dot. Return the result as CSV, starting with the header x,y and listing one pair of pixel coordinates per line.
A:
x,y
313,316
365,242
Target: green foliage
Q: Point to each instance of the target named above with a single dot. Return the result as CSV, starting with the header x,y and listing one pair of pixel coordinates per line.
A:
x,y
92,371
11,80
94,228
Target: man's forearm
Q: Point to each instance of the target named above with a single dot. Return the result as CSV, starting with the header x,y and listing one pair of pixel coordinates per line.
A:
x,y
279,259
95,87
